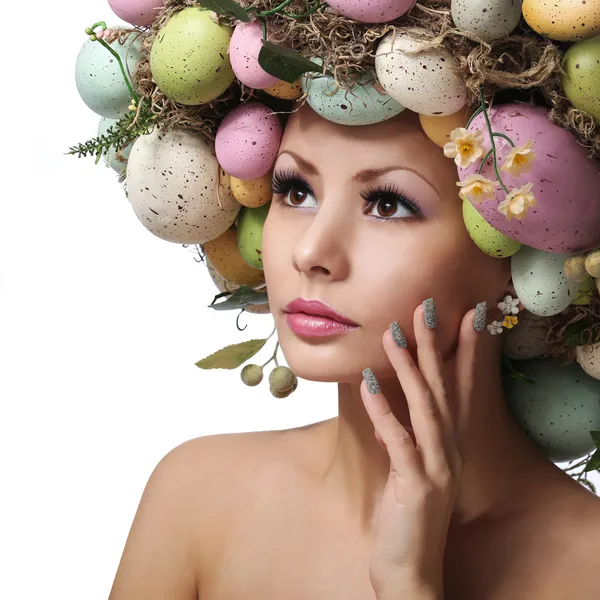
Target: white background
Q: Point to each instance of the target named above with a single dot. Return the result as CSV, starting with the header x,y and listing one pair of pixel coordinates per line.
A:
x,y
100,326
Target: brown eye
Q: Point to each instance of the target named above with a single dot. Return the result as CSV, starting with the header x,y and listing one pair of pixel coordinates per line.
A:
x,y
297,195
386,205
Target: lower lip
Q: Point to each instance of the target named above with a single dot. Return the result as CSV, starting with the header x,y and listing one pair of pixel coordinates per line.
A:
x,y
314,326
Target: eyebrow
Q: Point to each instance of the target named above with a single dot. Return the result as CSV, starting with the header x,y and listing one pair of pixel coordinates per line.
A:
x,y
361,176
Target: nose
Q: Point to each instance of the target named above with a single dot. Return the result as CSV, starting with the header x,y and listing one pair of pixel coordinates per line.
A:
x,y
323,247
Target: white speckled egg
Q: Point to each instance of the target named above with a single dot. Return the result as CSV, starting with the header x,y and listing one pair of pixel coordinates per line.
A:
x,y
564,20
248,140
98,76
111,156
423,82
363,105
588,357
172,182
540,282
558,410
487,238
490,20
528,340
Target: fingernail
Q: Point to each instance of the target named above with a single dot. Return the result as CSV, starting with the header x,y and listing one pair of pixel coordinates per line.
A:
x,y
398,335
371,380
480,316
429,314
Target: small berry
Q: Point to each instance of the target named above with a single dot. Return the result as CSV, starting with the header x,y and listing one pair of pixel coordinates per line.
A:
x,y
282,379
280,394
88,30
252,375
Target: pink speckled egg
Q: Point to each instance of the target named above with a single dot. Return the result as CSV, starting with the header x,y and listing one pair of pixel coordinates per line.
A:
x,y
566,183
372,11
248,140
137,12
244,48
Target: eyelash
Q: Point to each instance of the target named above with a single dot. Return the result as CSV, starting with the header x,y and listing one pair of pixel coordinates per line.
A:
x,y
287,180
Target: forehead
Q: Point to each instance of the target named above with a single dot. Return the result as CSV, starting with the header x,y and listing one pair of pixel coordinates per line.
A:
x,y
397,141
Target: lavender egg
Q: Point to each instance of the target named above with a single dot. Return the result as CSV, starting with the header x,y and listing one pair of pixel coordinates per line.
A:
x,y
244,48
372,11
137,12
176,188
566,183
98,76
248,140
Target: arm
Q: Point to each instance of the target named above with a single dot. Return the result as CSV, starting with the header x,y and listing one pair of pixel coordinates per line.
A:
x,y
158,559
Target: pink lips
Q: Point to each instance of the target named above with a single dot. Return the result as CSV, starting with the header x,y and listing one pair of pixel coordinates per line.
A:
x,y
315,319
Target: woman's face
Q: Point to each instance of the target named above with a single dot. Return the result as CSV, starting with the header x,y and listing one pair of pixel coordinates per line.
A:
x,y
368,220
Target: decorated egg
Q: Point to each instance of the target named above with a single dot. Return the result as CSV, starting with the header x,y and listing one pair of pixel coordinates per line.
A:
x,y
176,188
248,140
424,81
438,129
372,11
244,48
489,20
528,340
364,105
250,232
225,257
540,282
98,76
564,20
285,90
137,12
566,183
585,292
189,59
488,239
592,263
558,410
581,77
254,192
111,156
588,357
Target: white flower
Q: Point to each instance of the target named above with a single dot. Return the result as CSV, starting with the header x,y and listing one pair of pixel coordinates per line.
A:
x,y
510,305
495,327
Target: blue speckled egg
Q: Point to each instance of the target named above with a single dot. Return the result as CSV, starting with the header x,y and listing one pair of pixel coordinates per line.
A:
x,y
558,410
111,156
98,76
364,105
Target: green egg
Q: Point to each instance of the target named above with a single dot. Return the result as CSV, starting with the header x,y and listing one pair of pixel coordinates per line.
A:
x,y
585,293
487,238
581,80
189,59
249,234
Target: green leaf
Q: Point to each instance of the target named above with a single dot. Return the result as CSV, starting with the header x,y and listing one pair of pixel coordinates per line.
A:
x,y
231,357
284,63
594,462
242,297
575,336
226,7
596,437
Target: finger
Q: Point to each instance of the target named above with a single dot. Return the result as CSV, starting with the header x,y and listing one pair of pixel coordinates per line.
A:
x,y
404,457
466,353
424,414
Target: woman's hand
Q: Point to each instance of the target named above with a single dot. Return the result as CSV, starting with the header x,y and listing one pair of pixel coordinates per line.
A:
x,y
419,497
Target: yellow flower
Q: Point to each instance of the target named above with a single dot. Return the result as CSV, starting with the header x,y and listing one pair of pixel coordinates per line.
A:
x,y
519,159
477,188
465,148
510,321
517,203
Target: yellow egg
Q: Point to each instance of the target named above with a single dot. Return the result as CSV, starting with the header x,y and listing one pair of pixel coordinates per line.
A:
x,y
563,20
227,261
252,192
285,90
438,129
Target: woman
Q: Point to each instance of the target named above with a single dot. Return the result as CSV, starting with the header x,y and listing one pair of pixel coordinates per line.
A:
x,y
294,514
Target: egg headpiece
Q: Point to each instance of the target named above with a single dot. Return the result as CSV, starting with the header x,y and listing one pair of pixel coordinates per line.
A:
x,y
193,97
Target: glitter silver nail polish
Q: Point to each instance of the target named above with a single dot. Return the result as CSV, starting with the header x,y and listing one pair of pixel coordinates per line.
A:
x,y
372,383
429,314
398,335
480,316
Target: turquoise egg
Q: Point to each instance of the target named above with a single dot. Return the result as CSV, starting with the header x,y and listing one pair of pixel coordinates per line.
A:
x,y
98,76
364,105
111,156
558,410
